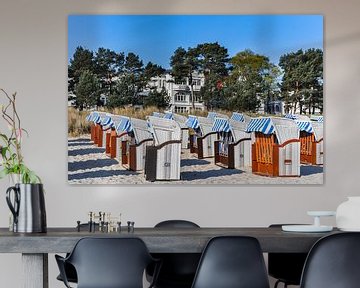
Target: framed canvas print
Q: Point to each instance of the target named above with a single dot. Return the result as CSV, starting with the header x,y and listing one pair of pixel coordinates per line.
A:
x,y
195,99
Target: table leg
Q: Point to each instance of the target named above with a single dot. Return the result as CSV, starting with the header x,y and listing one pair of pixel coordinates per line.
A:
x,y
35,270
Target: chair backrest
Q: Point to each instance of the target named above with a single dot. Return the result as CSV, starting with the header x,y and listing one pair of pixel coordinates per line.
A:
x,y
110,262
232,262
333,262
176,224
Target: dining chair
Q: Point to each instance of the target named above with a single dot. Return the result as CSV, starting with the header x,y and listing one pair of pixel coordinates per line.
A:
x,y
285,267
333,262
232,262
178,269
108,263
70,269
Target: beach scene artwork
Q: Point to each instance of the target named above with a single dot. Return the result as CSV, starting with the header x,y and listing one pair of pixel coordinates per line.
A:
x,y
195,99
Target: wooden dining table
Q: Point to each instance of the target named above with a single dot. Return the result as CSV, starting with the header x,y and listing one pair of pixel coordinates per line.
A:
x,y
35,247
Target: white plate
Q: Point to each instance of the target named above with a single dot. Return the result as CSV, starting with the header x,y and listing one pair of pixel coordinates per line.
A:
x,y
306,228
321,213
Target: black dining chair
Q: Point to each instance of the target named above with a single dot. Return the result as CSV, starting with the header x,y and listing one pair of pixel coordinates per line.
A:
x,y
178,269
286,267
232,262
70,271
333,262
108,263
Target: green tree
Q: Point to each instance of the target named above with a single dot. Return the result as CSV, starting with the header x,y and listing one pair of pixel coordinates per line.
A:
x,y
108,64
302,80
87,90
158,99
213,64
183,65
152,70
82,60
251,78
133,64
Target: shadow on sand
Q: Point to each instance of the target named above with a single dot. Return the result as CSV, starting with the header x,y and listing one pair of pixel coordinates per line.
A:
x,y
90,164
191,162
72,144
85,151
306,170
197,175
80,140
100,174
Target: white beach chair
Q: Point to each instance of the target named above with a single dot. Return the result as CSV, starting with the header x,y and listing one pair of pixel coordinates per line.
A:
x,y
181,120
202,137
133,148
163,158
233,149
275,146
311,139
96,118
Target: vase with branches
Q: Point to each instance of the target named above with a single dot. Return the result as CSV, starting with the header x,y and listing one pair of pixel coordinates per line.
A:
x,y
12,160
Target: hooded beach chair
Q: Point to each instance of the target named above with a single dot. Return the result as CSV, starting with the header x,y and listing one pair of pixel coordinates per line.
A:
x,y
120,126
202,137
133,148
96,118
233,147
275,146
163,158
240,117
311,139
181,120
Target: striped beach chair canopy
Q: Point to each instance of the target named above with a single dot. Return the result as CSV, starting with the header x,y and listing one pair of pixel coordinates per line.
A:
x,y
221,125
291,116
305,126
192,122
122,124
90,116
163,130
96,117
107,121
211,115
317,118
236,116
168,115
284,129
302,121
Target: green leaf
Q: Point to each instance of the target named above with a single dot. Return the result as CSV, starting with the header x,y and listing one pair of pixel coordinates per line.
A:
x,y
4,173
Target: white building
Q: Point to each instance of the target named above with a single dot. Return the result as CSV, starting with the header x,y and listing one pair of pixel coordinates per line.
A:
x,y
179,93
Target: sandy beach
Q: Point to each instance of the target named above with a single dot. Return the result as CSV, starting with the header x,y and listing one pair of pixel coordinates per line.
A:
x,y
88,164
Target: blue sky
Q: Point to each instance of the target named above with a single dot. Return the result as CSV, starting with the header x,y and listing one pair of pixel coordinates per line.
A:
x,y
155,37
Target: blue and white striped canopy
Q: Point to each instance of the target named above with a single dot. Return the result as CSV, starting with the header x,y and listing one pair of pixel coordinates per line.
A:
x,y
317,118
107,121
221,125
237,117
93,117
168,115
211,115
263,125
291,116
192,122
124,125
305,126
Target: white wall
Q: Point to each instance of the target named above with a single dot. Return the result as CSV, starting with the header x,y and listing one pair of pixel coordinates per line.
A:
x,y
33,62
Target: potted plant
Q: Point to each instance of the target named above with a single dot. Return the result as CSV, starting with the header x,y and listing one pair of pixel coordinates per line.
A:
x,y
26,197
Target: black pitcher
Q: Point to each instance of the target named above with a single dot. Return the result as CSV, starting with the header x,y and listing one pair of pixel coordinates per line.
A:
x,y
28,208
